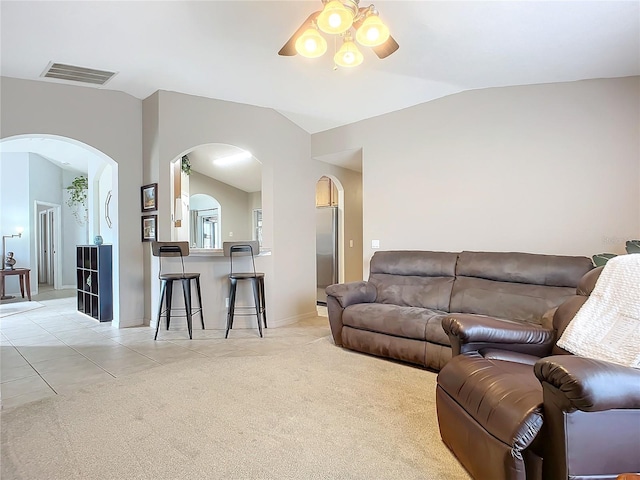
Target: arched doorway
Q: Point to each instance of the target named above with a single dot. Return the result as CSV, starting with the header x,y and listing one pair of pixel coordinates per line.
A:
x,y
45,165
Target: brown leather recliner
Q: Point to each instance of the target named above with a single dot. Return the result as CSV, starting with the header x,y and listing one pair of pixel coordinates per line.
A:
x,y
512,405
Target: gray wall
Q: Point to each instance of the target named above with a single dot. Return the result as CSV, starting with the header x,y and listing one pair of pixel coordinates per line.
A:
x,y
544,168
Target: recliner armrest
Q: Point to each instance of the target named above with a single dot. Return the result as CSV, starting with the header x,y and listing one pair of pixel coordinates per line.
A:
x,y
469,332
340,296
591,385
352,293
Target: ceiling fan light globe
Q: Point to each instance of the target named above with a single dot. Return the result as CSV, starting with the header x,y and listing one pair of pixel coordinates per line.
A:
x,y
348,55
372,32
335,18
311,44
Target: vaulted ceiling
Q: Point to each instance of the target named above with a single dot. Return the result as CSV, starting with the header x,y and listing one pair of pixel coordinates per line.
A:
x,y
228,50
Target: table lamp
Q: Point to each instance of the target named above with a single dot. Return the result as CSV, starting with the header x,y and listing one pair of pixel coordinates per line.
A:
x,y
5,259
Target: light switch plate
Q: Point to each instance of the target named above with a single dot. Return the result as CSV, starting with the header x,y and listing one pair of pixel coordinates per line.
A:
x,y
375,243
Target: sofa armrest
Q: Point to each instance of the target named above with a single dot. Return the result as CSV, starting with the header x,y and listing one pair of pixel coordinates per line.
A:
x,y
340,296
591,385
469,332
352,293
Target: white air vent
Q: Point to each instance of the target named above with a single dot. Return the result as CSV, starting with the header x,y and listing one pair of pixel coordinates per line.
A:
x,y
77,74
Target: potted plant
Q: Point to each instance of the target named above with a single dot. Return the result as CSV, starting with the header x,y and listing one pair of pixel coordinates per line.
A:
x,y
77,200
631,246
186,165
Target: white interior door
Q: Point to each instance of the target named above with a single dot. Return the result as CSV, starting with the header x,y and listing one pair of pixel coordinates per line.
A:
x,y
43,264
48,238
51,247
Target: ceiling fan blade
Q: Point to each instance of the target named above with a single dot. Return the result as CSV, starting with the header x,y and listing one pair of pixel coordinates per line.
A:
x,y
387,48
289,48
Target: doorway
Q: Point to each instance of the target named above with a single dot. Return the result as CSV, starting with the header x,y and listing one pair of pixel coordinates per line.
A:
x,y
205,225
328,253
47,240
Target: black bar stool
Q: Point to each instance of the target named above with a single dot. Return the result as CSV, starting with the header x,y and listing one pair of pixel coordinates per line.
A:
x,y
176,249
236,249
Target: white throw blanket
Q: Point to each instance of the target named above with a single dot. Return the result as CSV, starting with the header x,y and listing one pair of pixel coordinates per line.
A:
x,y
607,327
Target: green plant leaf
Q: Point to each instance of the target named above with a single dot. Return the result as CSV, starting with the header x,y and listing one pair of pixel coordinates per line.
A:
x,y
78,195
633,246
602,258
186,165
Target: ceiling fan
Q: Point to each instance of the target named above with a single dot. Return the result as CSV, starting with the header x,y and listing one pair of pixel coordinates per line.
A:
x,y
338,17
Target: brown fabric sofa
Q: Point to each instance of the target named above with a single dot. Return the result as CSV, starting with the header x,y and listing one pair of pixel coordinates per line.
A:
x,y
398,312
513,406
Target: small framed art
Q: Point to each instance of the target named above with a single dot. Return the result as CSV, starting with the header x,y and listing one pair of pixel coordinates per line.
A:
x,y
149,230
149,197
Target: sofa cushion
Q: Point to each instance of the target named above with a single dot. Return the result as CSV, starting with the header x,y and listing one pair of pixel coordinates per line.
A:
x,y
407,322
414,263
535,269
516,286
514,301
424,292
505,398
414,278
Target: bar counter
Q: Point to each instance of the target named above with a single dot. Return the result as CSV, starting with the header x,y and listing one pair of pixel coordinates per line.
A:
x,y
214,269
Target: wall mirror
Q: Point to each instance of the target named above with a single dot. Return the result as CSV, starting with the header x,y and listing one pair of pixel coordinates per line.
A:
x,y
224,197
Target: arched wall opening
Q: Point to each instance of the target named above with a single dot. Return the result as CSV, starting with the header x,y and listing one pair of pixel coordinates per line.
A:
x,y
227,173
234,189
47,164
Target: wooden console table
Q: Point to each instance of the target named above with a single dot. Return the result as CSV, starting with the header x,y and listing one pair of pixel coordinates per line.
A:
x,y
25,278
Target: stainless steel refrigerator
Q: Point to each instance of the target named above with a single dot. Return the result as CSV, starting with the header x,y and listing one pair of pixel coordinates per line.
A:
x,y
326,249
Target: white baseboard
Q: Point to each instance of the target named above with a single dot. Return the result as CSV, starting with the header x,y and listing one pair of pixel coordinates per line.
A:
x,y
132,322
296,318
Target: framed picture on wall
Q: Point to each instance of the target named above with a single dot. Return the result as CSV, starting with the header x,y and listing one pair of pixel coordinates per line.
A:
x,y
149,197
149,230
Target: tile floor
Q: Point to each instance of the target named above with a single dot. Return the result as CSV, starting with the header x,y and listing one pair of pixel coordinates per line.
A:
x,y
54,350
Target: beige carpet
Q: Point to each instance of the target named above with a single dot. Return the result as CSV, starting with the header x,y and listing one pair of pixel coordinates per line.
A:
x,y
314,412
11,308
